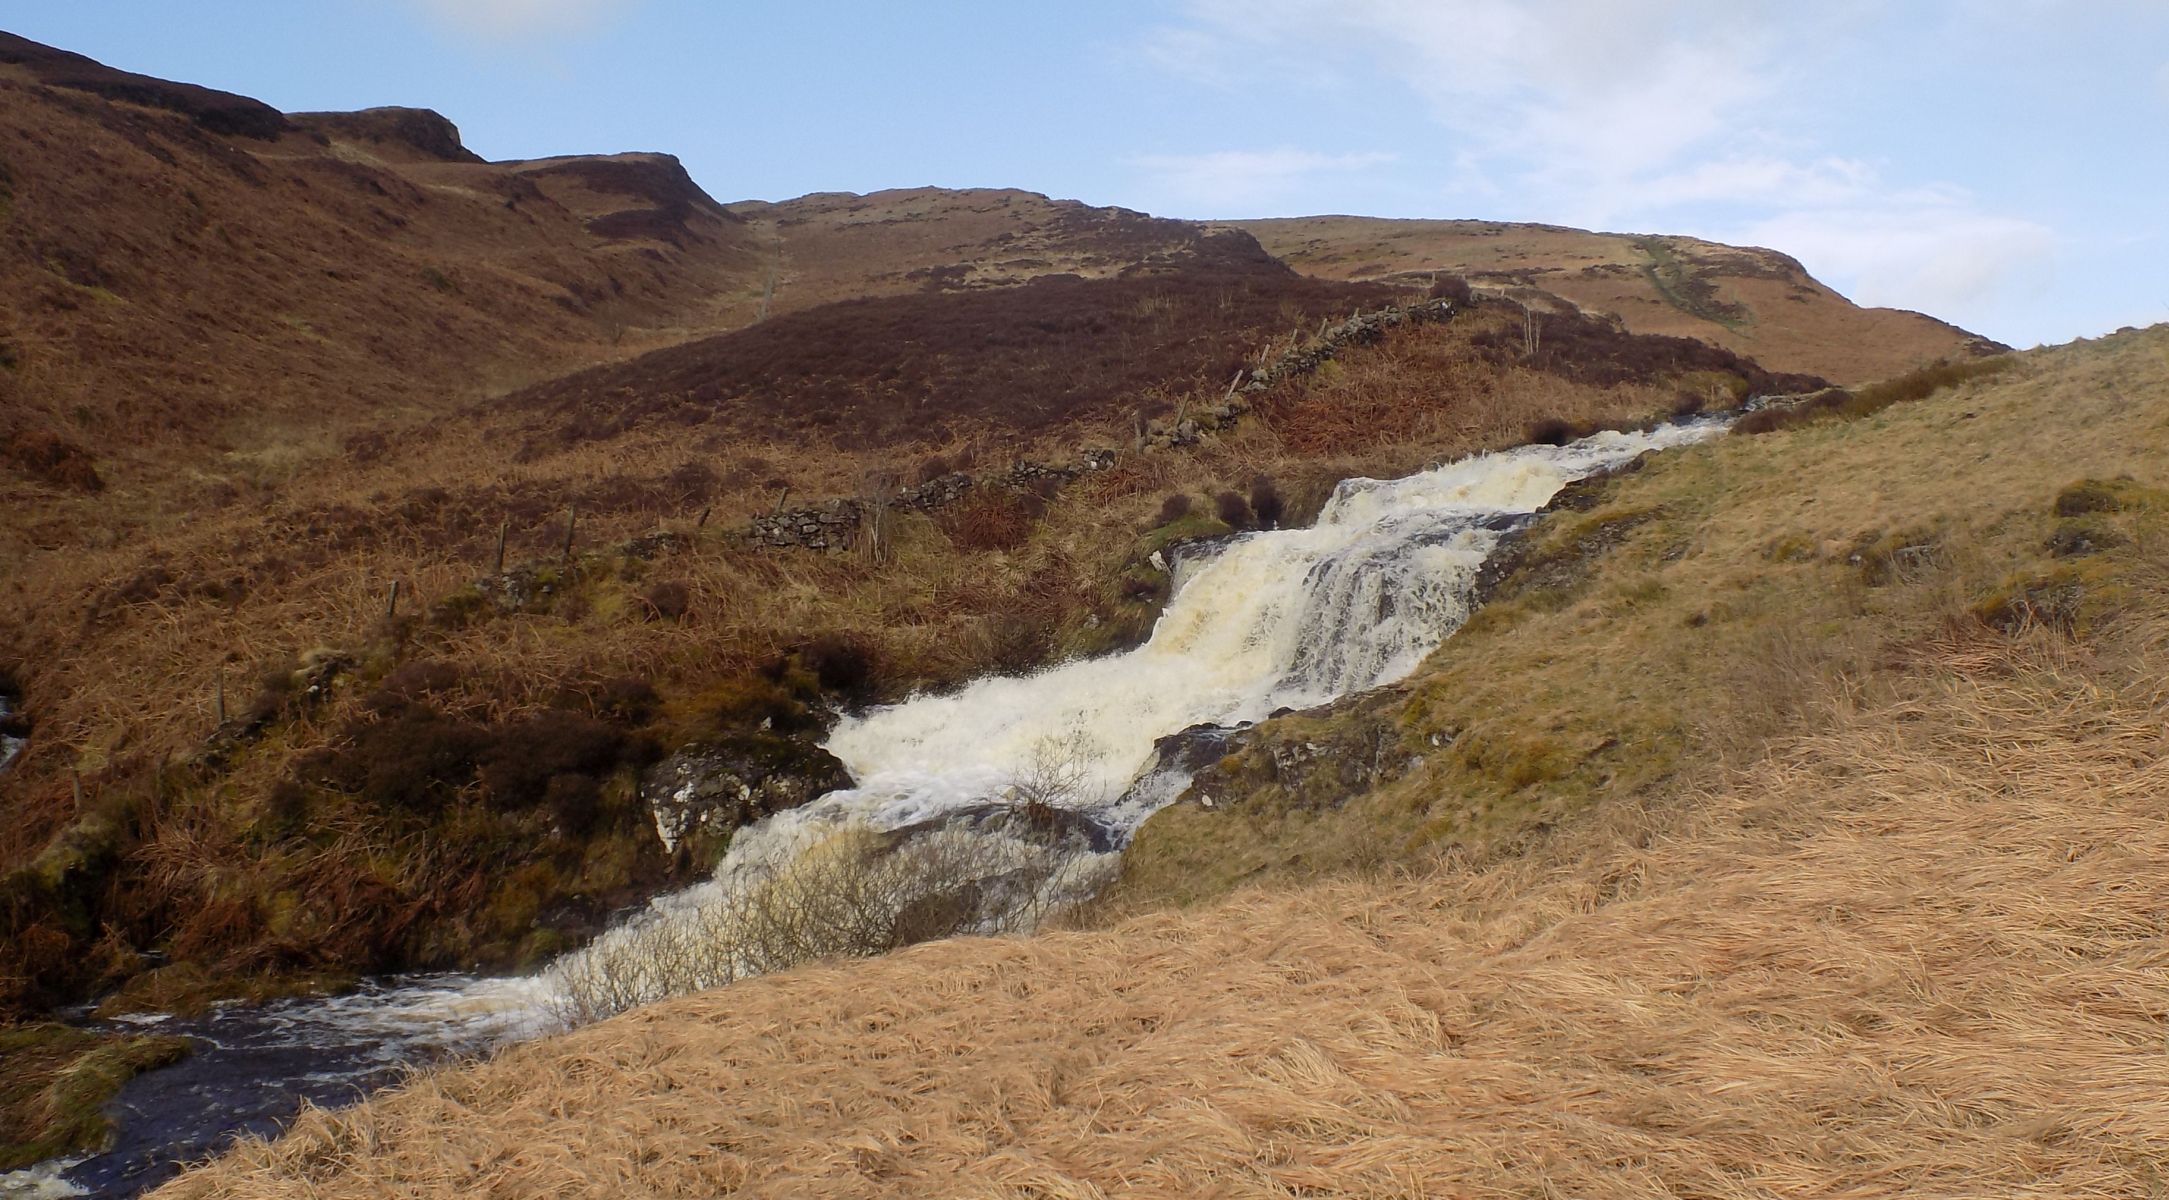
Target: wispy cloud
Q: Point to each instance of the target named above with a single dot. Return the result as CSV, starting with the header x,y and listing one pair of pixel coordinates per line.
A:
x,y
1940,258
1660,115
1246,181
1581,94
521,20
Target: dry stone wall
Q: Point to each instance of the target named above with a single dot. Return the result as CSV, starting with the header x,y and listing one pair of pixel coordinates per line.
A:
x,y
833,524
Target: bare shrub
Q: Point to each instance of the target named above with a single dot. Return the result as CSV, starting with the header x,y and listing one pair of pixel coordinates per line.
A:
x,y
1174,508
1057,777
1234,510
853,892
668,600
1266,502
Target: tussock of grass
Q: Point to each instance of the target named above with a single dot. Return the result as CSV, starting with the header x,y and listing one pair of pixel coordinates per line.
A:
x,y
54,1079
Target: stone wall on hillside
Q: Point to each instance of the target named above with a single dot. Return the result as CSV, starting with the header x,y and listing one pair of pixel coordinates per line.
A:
x,y
833,524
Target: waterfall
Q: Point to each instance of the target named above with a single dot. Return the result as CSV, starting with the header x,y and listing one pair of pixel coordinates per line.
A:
x,y
1275,619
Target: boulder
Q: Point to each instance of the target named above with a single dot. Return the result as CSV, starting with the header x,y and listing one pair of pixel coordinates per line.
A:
x,y
705,792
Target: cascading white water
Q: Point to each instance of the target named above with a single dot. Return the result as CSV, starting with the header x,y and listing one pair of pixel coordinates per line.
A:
x,y
1282,619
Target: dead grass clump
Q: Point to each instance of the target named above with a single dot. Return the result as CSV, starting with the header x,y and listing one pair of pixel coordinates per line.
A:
x,y
51,459
411,683
667,600
1927,381
1174,508
1840,404
1233,510
991,518
625,699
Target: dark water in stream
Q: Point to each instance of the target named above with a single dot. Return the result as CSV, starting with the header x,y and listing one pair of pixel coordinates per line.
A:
x,y
254,1068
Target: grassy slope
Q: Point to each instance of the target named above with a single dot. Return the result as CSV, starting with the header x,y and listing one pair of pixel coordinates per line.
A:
x,y
1850,891
1728,586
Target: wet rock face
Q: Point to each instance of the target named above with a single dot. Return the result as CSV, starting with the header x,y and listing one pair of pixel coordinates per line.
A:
x,y
704,793
1319,760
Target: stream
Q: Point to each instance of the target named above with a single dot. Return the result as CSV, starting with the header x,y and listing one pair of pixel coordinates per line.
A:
x,y
1264,621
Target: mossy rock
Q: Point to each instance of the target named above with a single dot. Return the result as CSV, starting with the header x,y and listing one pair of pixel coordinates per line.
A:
x,y
2107,496
55,1081
188,989
2081,536
1194,527
2072,597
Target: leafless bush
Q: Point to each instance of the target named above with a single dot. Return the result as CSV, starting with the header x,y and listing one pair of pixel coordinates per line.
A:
x,y
1056,778
853,893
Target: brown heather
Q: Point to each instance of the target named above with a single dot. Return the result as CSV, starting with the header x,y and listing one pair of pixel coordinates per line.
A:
x,y
1879,912
299,559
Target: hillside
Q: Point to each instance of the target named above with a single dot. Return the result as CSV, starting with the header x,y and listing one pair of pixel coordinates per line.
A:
x,y
842,245
179,283
1756,302
387,525
1788,824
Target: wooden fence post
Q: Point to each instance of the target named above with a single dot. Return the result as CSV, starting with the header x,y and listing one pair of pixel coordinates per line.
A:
x,y
503,528
572,522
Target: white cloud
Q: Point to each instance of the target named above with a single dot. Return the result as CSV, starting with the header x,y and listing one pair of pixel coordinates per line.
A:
x,y
1582,92
1231,181
1950,260
511,20
1656,115
1760,180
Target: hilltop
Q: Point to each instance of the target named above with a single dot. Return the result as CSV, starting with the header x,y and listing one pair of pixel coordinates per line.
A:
x,y
1756,302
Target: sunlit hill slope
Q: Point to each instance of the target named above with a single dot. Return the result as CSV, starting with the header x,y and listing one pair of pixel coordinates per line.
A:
x,y
1826,858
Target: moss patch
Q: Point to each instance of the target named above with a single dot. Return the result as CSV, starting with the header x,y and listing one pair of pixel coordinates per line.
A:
x,y
55,1081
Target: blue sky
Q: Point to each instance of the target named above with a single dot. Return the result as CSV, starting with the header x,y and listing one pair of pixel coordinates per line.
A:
x,y
1999,163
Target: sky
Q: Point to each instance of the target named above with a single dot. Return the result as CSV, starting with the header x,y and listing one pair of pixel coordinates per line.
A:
x,y
2002,164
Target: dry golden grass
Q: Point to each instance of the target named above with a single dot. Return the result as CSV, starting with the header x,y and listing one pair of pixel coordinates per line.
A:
x,y
1919,954
1909,943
